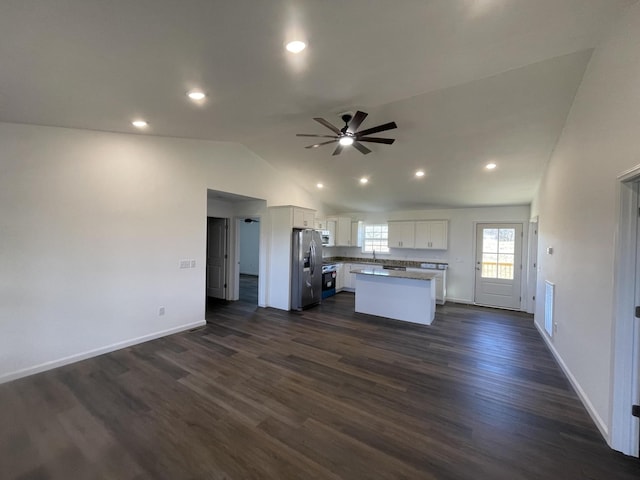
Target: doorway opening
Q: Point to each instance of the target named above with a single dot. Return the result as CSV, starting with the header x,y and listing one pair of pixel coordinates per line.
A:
x,y
249,263
499,265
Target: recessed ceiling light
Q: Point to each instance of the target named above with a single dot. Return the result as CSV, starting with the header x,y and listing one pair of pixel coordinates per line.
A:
x,y
364,180
139,123
319,185
346,140
490,166
296,46
420,173
196,95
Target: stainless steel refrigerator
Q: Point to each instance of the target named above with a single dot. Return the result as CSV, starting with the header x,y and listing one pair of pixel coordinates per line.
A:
x,y
306,269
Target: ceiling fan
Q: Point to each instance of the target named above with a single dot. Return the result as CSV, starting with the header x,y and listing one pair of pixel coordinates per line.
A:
x,y
348,135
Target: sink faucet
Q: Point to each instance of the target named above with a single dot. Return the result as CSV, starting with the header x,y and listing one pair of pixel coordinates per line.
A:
x,y
374,255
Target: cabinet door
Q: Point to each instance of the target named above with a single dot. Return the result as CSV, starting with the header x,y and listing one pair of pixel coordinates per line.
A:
x,y
402,234
343,233
423,234
331,226
438,234
349,281
303,218
308,218
339,277
356,234
298,218
431,234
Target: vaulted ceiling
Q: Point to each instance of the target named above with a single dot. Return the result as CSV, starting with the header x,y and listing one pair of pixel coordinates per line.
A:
x,y
467,81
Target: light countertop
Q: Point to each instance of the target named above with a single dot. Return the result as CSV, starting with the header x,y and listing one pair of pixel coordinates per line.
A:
x,y
380,272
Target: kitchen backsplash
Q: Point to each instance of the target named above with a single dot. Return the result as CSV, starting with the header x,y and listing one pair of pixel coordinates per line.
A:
x,y
387,261
397,255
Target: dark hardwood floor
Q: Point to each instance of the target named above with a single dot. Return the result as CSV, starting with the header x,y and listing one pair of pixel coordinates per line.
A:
x,y
326,394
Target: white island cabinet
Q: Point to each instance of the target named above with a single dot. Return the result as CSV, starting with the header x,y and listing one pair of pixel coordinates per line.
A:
x,y
400,295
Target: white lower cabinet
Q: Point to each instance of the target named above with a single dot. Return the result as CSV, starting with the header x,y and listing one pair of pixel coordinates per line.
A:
x,y
350,278
339,277
441,283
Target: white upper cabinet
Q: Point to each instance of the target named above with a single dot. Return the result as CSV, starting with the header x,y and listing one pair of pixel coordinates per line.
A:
x,y
342,234
303,218
402,234
357,233
424,234
431,234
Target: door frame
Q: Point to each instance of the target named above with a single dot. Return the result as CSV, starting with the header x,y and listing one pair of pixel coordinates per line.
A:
x,y
530,291
523,250
624,431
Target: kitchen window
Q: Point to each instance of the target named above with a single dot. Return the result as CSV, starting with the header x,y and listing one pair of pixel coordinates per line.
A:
x,y
376,238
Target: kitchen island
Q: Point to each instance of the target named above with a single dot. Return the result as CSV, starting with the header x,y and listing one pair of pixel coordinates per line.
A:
x,y
400,295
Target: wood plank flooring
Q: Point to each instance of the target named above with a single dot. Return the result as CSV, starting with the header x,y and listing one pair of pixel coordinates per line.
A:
x,y
321,394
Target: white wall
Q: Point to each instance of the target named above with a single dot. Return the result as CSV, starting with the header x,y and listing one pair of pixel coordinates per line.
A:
x,y
461,252
92,227
577,208
249,248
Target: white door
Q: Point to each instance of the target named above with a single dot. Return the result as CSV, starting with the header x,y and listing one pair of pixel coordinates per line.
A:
x,y
498,264
216,257
635,352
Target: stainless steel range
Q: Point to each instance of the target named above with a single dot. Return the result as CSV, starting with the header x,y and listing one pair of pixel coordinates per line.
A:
x,y
328,279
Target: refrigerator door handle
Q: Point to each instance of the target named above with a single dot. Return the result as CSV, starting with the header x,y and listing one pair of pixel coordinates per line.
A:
x,y
312,255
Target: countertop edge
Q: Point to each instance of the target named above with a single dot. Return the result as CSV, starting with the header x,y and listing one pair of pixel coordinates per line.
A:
x,y
379,272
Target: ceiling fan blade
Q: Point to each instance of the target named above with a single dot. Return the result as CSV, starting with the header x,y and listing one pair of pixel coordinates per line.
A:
x,y
379,128
315,145
312,135
387,141
364,150
355,122
338,149
322,121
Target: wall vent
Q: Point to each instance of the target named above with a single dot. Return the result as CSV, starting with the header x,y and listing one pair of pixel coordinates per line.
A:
x,y
549,294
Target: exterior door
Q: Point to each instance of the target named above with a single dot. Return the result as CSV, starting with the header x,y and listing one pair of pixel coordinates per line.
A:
x,y
216,257
498,264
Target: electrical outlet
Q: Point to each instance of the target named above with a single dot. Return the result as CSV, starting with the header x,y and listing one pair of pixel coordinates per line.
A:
x,y
160,311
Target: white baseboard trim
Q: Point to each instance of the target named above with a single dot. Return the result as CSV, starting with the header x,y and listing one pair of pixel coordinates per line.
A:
x,y
463,301
604,431
25,372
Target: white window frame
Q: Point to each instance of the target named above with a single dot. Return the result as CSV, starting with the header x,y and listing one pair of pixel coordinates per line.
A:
x,y
366,241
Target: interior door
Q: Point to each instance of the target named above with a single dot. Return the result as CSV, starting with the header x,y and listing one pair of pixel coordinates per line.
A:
x,y
635,352
498,265
216,257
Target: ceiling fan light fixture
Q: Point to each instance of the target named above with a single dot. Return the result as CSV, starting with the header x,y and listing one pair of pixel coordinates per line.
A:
x,y
346,140
364,180
490,166
139,123
420,173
